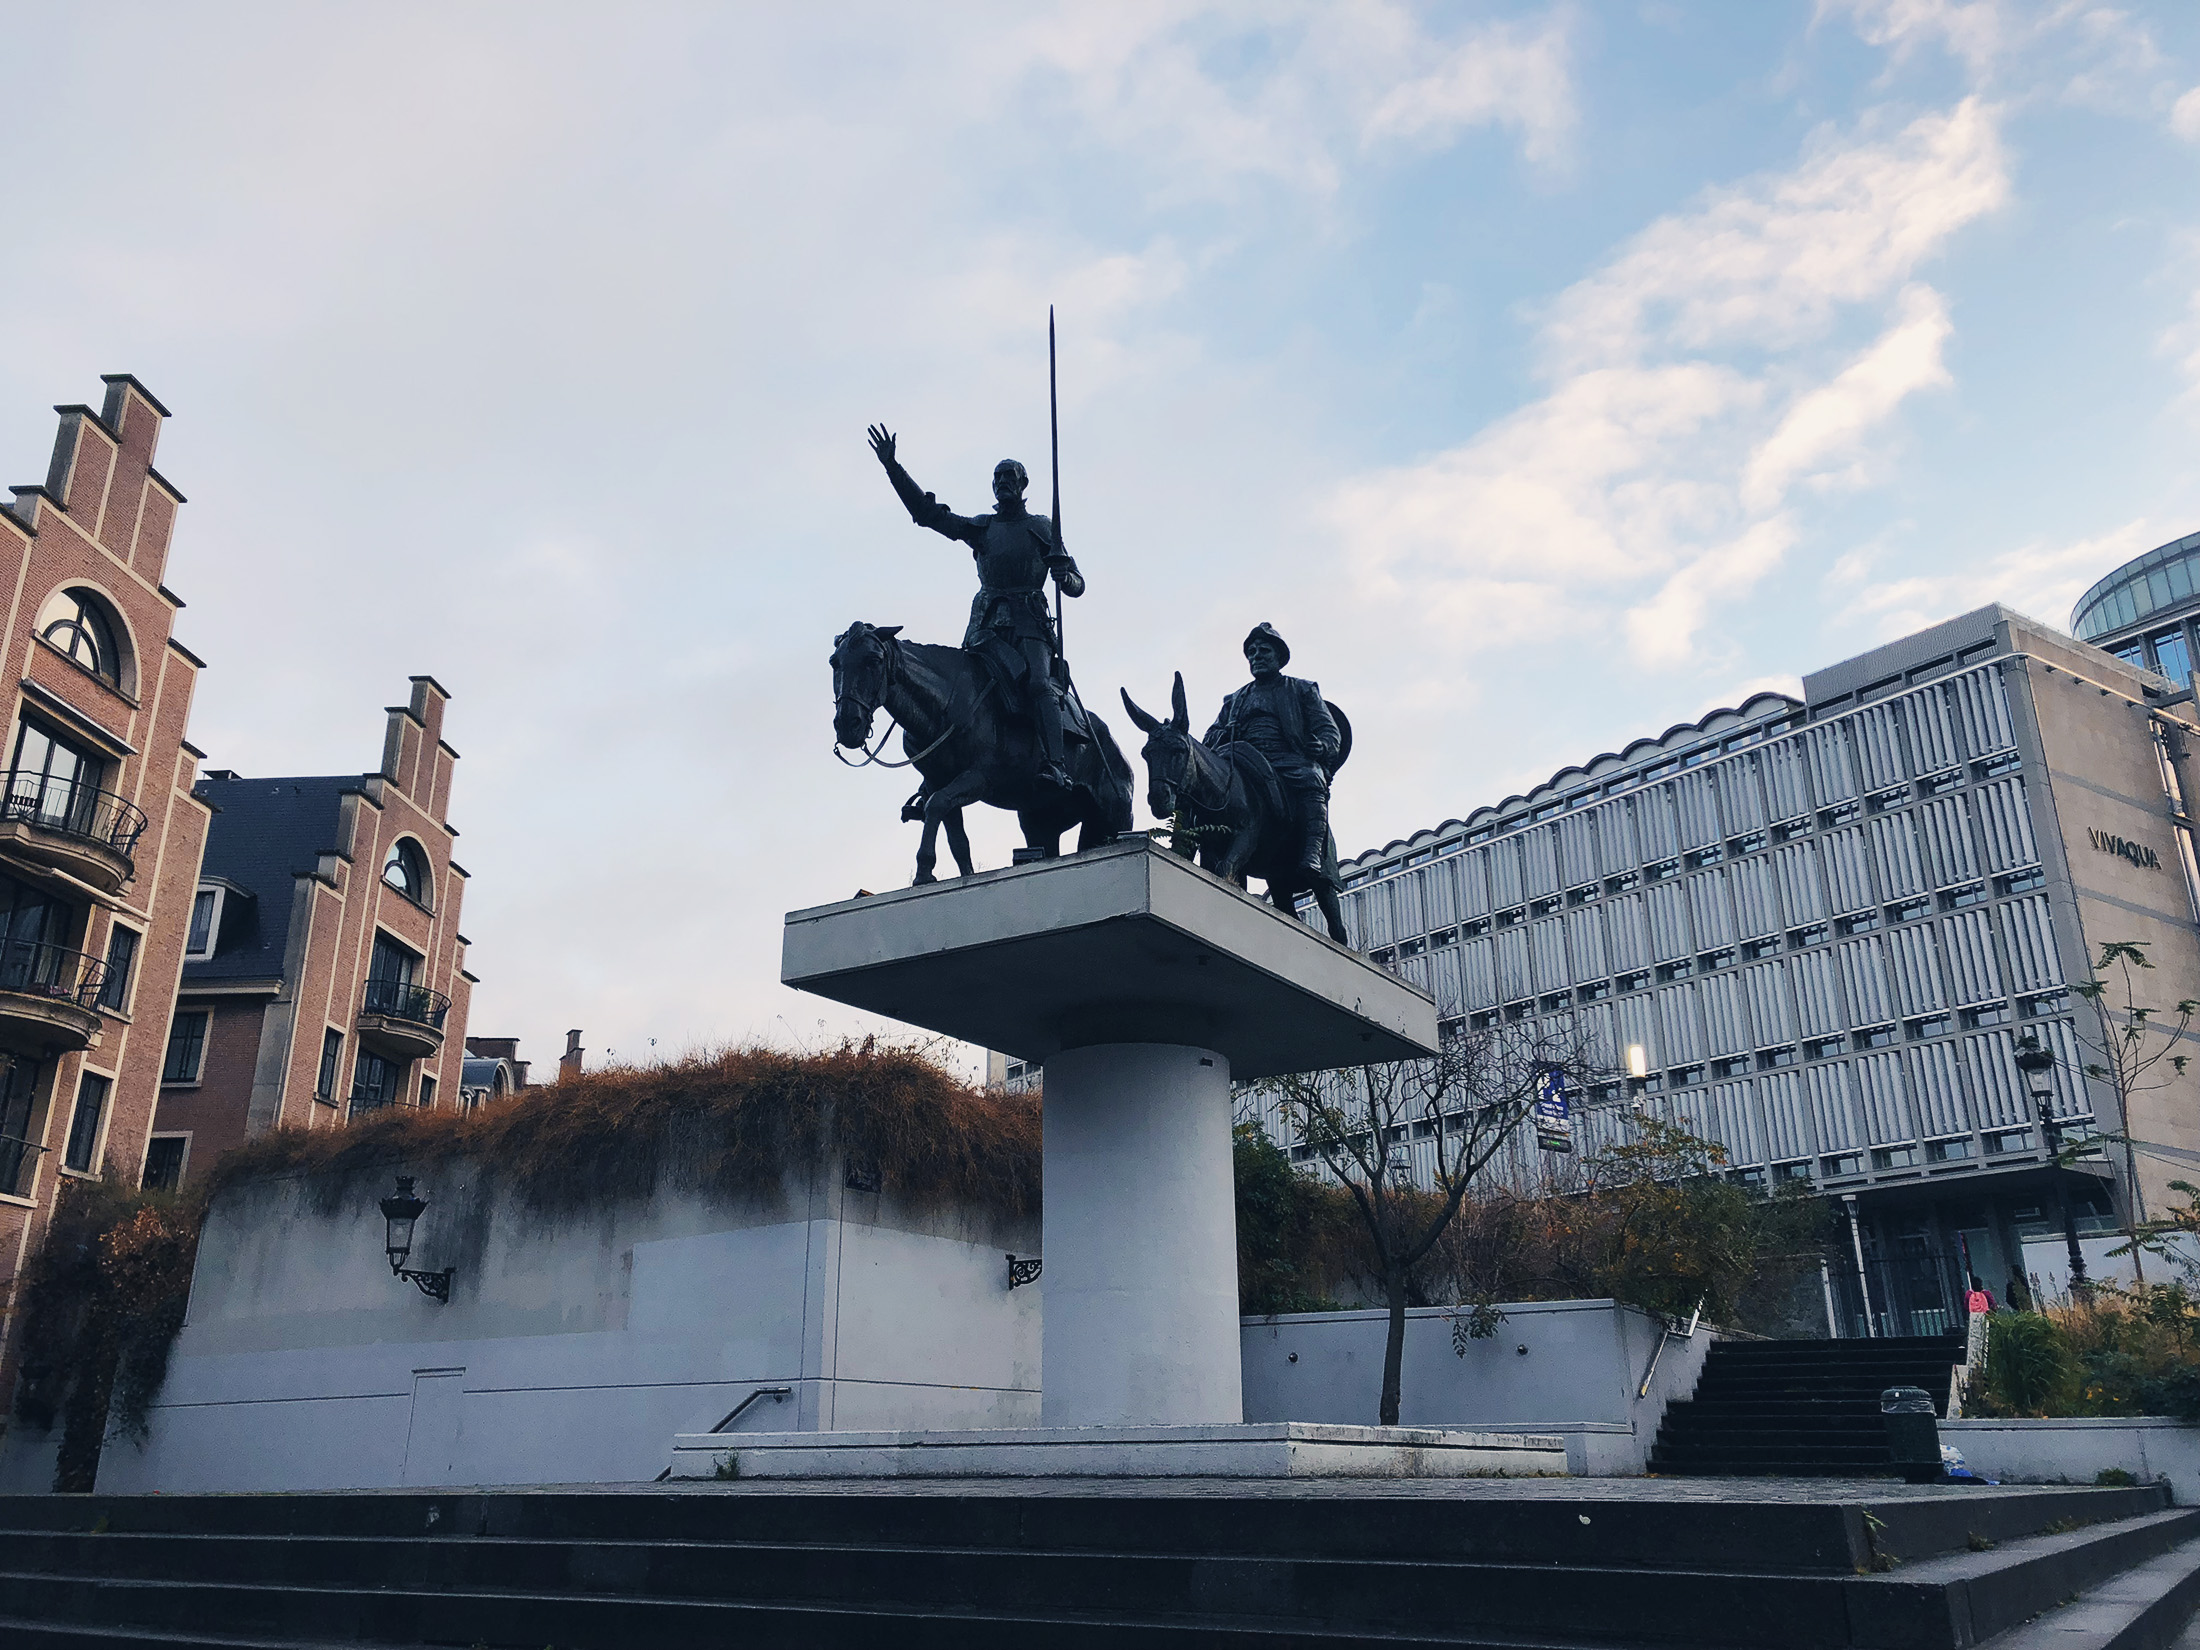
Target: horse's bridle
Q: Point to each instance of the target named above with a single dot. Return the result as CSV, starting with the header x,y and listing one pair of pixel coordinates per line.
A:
x,y
848,693
1187,793
889,651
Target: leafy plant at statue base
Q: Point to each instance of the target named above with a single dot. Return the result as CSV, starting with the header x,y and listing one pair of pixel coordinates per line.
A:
x,y
1464,1102
103,1300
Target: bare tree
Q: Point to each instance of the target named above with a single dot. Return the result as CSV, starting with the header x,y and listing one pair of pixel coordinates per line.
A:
x,y
2135,1049
1465,1101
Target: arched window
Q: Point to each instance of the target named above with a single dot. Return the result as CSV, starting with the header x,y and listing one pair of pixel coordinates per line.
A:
x,y
79,623
406,869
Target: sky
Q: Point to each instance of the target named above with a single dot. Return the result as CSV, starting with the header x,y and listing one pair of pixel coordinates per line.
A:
x,y
1549,374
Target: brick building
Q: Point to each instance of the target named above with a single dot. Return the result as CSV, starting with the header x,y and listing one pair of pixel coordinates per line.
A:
x,y
324,972
100,835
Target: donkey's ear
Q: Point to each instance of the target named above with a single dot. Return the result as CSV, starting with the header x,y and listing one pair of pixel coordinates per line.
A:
x,y
1144,723
1176,704
889,630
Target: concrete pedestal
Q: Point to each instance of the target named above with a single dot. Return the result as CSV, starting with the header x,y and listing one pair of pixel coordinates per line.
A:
x,y
1140,1324
1144,985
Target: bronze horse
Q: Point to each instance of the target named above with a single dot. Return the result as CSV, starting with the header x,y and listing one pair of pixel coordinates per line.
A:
x,y
970,748
1238,814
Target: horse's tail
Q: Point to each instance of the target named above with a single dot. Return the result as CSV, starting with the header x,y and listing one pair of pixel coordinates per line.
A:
x,y
1118,798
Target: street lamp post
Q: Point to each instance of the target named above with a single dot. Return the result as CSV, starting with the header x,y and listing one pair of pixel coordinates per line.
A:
x,y
2038,1068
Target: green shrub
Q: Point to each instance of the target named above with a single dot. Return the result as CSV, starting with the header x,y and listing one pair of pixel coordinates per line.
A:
x,y
2114,1478
2030,1369
1283,1217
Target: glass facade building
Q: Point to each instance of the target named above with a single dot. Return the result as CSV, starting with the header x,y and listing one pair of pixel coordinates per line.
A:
x,y
2144,611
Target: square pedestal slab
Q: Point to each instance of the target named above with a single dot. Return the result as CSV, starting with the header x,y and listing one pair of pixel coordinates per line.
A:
x,y
1274,1449
1124,944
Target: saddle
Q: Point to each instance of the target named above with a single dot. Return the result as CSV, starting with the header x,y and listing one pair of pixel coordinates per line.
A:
x,y
1260,778
1004,667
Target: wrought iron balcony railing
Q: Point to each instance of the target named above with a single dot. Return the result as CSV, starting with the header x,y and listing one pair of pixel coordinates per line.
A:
x,y
73,808
41,970
17,1159
401,1001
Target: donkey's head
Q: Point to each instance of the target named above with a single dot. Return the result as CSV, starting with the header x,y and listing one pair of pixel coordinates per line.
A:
x,y
1168,751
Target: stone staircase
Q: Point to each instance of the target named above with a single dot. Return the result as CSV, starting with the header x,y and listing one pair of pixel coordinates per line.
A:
x,y
1798,1408
1085,1564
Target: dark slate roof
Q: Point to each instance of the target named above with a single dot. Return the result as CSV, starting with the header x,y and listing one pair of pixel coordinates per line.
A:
x,y
477,1073
263,833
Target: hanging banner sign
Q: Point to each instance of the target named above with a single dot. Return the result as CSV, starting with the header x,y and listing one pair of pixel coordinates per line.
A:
x,y
1554,1113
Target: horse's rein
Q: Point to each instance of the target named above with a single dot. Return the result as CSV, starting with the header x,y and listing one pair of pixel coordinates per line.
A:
x,y
871,757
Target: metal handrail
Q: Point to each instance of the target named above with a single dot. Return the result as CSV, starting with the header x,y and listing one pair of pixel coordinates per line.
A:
x,y
734,1414
403,1001
73,808
36,969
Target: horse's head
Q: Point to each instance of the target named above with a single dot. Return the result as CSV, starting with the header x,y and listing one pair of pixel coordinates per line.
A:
x,y
1168,752
862,657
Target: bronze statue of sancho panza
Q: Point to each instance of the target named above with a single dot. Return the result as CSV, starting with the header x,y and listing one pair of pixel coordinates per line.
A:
x,y
1286,720
1016,554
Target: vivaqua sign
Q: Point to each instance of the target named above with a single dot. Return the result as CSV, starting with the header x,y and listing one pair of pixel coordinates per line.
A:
x,y
2138,853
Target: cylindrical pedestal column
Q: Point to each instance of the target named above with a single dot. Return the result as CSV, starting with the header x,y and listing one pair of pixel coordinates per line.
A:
x,y
1141,1302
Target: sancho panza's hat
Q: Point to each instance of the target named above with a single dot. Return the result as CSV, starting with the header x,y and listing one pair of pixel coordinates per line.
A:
x,y
1266,632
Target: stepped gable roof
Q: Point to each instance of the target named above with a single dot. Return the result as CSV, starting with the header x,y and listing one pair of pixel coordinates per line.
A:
x,y
264,834
1757,707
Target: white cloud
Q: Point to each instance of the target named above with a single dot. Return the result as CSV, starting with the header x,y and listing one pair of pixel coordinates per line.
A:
x,y
1312,82
2184,116
1498,76
1831,422
2077,51
1769,262
2042,581
1691,396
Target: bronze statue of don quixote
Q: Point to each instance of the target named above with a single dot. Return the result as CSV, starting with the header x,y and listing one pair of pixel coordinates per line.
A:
x,y
997,720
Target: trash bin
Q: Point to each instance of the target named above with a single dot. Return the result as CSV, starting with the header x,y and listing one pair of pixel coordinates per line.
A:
x,y
1913,1433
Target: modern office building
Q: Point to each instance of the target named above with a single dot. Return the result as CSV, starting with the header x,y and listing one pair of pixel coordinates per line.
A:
x,y
1824,922
324,974
2144,611
100,835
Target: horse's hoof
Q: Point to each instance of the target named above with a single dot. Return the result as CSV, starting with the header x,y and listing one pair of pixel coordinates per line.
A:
x,y
921,878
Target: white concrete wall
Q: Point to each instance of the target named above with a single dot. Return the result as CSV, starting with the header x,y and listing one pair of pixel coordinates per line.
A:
x,y
572,1347
2077,1449
1569,1367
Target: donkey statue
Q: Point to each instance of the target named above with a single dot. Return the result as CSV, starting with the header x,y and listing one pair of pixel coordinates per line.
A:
x,y
1239,815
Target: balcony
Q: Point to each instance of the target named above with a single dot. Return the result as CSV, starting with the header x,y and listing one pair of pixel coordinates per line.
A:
x,y
71,826
48,998
402,1020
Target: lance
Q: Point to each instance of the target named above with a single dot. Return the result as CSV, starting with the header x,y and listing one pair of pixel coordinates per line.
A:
x,y
1054,436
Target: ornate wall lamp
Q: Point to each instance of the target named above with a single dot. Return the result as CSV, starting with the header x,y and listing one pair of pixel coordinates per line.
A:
x,y
400,1213
2038,1068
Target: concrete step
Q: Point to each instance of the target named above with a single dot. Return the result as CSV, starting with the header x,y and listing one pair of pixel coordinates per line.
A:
x,y
2148,1607
1752,1530
498,1590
